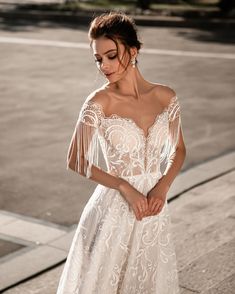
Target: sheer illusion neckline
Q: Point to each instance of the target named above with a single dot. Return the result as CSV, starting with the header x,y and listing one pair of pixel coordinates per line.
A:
x,y
131,120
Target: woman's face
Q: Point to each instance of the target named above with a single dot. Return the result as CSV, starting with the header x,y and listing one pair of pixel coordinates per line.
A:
x,y
106,58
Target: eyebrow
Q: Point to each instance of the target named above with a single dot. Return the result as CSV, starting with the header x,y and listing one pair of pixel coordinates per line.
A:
x,y
107,51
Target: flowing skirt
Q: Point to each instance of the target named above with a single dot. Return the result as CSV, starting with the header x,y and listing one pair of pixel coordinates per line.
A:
x,y
114,253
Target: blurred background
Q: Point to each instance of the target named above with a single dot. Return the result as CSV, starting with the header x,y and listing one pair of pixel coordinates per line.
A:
x,y
159,7
47,71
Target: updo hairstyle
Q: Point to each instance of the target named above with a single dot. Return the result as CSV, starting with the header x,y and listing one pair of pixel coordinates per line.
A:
x,y
115,26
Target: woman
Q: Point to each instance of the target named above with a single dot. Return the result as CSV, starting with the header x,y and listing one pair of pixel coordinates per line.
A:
x,y
123,242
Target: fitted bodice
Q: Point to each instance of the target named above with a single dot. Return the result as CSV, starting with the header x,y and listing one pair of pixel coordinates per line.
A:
x,y
126,148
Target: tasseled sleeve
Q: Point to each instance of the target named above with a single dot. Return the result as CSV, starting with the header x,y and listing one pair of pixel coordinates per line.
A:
x,y
83,150
174,125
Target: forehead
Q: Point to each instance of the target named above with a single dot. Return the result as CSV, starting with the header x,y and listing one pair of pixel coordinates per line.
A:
x,y
102,45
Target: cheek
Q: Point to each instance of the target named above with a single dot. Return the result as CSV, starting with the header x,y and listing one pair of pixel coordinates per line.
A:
x,y
124,63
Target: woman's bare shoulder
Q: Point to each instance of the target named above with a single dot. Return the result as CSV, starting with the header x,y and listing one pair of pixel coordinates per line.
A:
x,y
164,94
99,96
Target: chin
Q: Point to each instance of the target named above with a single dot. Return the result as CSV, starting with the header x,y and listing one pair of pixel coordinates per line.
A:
x,y
114,79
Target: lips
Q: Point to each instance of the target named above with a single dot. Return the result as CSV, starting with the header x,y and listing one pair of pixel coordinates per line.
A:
x,y
108,74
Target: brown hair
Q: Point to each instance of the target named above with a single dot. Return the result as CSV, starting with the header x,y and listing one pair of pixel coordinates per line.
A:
x,y
115,26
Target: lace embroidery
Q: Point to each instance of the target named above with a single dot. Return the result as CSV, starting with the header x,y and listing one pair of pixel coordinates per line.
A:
x,y
126,148
172,109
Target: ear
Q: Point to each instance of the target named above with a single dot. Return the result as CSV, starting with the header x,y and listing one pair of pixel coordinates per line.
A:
x,y
133,51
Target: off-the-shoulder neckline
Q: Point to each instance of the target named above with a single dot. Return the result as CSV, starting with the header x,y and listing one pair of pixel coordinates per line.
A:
x,y
117,116
100,106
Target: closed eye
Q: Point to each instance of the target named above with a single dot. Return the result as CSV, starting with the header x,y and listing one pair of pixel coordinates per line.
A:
x,y
109,57
112,57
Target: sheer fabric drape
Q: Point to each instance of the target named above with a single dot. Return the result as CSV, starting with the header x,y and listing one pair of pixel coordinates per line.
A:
x,y
84,146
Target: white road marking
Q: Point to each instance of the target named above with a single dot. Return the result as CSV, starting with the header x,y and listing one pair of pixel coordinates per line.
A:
x,y
38,42
190,53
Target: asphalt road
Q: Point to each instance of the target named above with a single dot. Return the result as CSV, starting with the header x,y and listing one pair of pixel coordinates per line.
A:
x,y
44,84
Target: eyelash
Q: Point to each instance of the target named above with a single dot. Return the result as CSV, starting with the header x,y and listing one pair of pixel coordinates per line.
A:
x,y
100,60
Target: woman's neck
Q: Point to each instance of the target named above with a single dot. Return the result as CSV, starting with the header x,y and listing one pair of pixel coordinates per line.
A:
x,y
132,84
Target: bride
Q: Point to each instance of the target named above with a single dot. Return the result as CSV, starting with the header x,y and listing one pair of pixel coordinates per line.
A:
x,y
123,243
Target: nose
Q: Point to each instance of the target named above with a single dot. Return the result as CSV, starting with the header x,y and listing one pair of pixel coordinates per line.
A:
x,y
104,67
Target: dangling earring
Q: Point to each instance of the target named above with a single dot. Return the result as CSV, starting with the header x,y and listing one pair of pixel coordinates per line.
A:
x,y
133,62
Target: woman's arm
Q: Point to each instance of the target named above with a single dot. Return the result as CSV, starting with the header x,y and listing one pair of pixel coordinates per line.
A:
x,y
136,199
177,163
157,195
101,177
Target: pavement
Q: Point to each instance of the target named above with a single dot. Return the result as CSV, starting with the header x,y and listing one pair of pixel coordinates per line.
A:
x,y
45,74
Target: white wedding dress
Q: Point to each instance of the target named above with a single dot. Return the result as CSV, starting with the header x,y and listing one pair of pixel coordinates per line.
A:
x,y
112,252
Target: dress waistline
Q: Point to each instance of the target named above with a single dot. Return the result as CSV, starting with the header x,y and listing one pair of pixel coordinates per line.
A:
x,y
143,175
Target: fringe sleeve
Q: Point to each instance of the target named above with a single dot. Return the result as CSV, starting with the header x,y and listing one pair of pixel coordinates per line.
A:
x,y
174,120
84,148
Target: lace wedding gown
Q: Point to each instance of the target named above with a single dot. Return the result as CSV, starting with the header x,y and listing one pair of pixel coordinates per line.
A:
x,y
112,252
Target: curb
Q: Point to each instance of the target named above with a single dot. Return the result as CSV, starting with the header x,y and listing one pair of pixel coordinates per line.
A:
x,y
84,19
201,174
44,245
